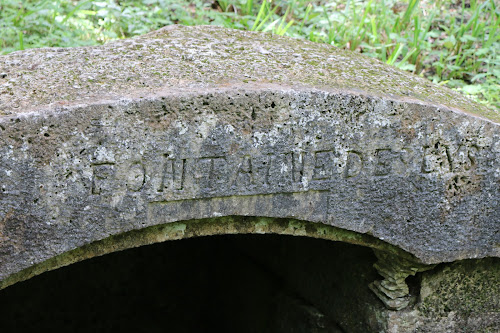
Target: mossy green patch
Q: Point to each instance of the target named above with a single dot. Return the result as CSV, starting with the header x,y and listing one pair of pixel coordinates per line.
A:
x,y
189,61
465,287
204,227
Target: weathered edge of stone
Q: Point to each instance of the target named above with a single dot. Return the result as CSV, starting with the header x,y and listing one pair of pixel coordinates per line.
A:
x,y
179,57
462,297
393,290
206,227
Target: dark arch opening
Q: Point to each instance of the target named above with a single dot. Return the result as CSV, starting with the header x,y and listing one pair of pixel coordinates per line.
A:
x,y
227,283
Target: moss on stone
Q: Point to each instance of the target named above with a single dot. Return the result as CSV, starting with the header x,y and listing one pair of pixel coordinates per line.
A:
x,y
191,58
464,287
204,227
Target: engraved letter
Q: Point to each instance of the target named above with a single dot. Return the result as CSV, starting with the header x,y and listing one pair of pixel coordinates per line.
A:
x,y
323,165
464,158
101,173
354,164
436,159
383,161
173,175
135,177
297,166
244,175
211,172
280,169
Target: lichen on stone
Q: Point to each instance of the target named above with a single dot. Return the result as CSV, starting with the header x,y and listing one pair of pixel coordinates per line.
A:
x,y
187,58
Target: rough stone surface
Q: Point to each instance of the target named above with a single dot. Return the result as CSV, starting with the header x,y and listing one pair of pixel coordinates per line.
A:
x,y
460,297
195,123
190,58
393,290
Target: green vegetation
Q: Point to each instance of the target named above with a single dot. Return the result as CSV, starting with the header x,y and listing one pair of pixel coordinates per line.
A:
x,y
455,43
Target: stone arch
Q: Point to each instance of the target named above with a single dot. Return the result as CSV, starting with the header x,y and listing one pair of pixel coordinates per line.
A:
x,y
300,299
247,125
229,225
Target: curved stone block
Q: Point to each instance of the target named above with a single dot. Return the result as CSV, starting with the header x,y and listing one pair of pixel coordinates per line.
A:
x,y
195,123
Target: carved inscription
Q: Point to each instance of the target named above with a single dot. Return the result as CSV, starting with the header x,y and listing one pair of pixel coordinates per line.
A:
x,y
101,175
244,174
293,171
210,172
136,177
441,158
280,170
464,158
390,162
354,164
323,165
436,158
173,174
298,161
383,165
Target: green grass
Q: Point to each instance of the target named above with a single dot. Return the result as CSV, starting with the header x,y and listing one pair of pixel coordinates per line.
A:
x,y
453,43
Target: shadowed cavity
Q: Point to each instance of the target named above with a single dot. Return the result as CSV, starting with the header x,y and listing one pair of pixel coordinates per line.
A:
x,y
244,283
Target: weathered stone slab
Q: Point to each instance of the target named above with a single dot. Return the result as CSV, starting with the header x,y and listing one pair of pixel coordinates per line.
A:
x,y
194,123
459,297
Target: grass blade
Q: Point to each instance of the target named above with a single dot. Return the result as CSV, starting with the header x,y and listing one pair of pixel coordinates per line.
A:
x,y
395,54
21,40
71,13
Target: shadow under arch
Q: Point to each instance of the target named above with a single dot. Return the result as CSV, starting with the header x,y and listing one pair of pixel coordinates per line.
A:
x,y
227,225
314,282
